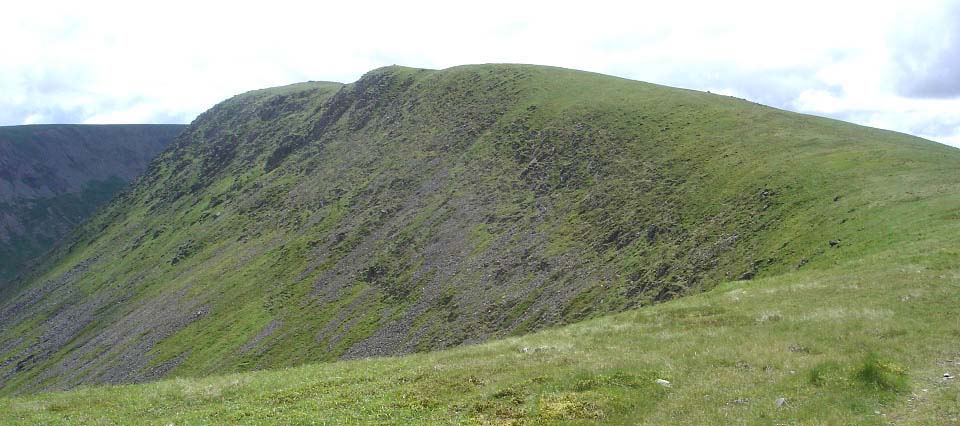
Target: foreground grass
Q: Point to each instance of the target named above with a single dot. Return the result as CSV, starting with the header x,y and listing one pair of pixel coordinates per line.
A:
x,y
867,342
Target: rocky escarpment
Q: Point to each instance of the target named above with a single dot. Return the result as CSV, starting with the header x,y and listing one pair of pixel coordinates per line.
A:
x,y
54,176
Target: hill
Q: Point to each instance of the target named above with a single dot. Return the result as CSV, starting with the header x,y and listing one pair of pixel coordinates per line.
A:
x,y
417,210
864,343
52,177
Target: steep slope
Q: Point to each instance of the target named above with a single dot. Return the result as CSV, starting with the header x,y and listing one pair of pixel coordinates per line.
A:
x,y
418,209
52,177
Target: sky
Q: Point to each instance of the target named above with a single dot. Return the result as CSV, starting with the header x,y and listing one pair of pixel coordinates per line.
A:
x,y
892,65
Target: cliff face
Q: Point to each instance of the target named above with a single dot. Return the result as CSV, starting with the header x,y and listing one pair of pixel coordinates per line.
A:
x,y
54,176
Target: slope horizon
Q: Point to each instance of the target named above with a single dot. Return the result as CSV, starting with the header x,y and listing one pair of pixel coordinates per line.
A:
x,y
188,121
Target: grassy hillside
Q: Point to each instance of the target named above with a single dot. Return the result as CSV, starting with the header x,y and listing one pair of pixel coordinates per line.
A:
x,y
52,177
864,343
417,210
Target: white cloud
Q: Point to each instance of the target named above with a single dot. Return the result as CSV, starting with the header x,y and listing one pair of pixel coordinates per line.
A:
x,y
115,61
34,119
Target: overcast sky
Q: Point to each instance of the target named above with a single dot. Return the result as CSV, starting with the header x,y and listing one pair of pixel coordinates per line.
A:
x,y
894,65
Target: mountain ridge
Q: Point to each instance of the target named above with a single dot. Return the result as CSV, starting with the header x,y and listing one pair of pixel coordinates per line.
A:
x,y
417,210
53,176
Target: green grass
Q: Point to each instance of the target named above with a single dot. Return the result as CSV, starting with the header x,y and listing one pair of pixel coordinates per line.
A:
x,y
839,345
817,262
